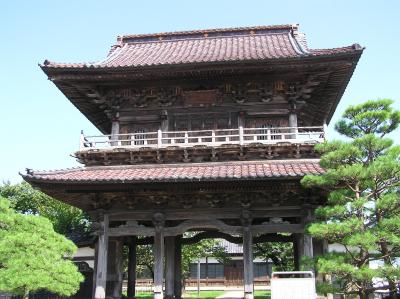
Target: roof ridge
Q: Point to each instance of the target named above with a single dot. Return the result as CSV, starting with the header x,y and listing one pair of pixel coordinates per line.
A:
x,y
193,38
120,39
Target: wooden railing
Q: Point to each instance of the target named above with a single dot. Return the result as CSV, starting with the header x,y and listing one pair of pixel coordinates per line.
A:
x,y
213,138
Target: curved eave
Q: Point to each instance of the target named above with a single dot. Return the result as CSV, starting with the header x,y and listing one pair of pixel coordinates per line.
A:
x,y
73,68
38,181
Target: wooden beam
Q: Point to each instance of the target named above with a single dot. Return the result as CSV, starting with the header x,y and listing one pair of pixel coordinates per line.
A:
x,y
205,214
202,224
134,229
236,240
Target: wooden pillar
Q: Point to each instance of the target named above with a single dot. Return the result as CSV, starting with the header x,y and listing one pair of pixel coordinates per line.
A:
x,y
308,246
293,121
95,268
178,268
296,255
158,221
308,250
164,121
305,242
169,267
115,129
132,243
101,269
248,263
118,270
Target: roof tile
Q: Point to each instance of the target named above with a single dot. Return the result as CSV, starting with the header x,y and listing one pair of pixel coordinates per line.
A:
x,y
182,172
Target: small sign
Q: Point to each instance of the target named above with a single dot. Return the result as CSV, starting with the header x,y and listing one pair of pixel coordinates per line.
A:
x,y
200,97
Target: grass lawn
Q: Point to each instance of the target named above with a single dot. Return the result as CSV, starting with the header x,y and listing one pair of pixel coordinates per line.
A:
x,y
144,295
262,294
205,295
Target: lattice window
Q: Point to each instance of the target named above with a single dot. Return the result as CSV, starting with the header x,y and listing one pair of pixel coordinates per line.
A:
x,y
209,271
139,138
260,270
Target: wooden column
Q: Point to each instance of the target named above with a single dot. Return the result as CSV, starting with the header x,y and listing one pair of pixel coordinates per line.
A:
x,y
248,263
296,256
308,250
158,221
164,121
169,267
96,245
101,269
308,246
132,266
293,121
305,242
118,269
178,268
115,129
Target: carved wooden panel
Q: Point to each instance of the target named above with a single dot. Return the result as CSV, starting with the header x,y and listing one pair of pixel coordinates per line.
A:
x,y
209,121
200,97
265,122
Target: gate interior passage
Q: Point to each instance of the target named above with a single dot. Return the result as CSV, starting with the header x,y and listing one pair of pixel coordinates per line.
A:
x,y
293,285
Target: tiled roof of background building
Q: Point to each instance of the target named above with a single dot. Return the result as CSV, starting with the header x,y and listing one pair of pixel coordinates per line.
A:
x,y
216,171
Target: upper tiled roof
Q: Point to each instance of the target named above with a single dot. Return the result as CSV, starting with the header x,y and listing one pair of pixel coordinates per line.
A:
x,y
207,46
216,171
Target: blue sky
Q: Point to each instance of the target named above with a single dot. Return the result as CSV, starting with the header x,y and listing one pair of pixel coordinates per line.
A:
x,y
40,127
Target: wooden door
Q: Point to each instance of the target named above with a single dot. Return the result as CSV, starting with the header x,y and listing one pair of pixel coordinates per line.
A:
x,y
234,273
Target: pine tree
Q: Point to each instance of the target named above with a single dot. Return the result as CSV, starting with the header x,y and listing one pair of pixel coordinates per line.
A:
x,y
33,256
363,208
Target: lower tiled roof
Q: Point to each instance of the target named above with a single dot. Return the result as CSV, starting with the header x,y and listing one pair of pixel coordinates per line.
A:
x,y
215,171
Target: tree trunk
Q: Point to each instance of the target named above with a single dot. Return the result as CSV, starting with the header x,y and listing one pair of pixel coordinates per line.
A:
x,y
363,294
26,294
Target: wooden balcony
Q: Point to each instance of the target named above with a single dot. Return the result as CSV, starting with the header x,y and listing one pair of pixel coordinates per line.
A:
x,y
200,146
210,138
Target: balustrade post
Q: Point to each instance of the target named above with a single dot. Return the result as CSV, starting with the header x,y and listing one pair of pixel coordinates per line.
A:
x,y
241,135
186,137
159,138
213,136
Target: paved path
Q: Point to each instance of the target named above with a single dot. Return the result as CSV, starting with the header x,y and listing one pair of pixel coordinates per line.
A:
x,y
231,295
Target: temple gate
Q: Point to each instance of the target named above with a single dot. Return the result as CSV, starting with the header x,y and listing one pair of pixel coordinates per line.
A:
x,y
208,131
